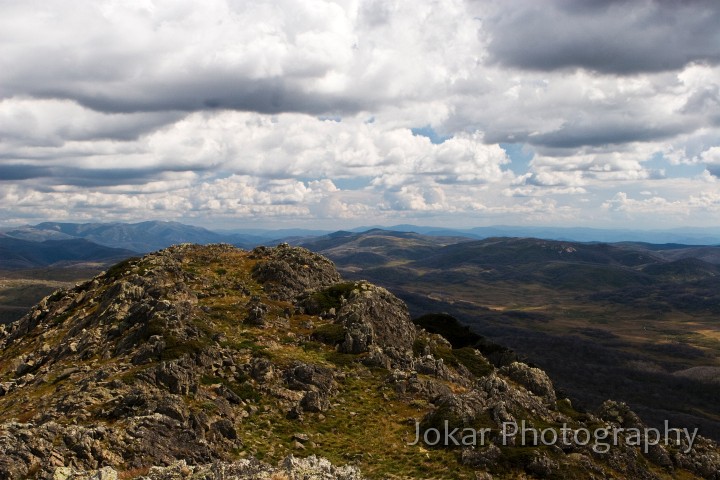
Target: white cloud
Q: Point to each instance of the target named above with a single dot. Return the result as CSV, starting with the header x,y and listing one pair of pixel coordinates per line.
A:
x,y
131,109
702,202
711,156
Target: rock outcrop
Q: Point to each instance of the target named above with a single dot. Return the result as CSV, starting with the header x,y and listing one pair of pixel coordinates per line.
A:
x,y
291,468
373,316
287,272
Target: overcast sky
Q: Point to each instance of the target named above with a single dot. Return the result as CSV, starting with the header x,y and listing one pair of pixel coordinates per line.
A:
x,y
308,113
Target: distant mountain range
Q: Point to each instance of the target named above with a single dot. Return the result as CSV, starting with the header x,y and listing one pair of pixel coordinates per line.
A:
x,y
44,244
376,247
139,237
155,235
16,253
686,236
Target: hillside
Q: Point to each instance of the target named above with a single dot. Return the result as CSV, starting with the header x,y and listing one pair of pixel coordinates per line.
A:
x,y
376,247
633,314
262,364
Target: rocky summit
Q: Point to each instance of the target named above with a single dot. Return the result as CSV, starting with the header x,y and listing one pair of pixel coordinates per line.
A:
x,y
218,363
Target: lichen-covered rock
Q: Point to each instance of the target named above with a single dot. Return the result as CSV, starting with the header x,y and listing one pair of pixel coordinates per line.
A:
x,y
458,411
291,468
303,376
374,316
67,473
533,379
620,413
482,457
286,272
541,466
262,370
703,459
256,313
317,382
176,376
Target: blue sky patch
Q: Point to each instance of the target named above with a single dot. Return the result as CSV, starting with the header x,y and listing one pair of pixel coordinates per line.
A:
x,y
429,132
520,156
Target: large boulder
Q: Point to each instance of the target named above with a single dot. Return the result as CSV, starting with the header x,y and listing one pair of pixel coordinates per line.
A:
x,y
286,272
533,379
373,316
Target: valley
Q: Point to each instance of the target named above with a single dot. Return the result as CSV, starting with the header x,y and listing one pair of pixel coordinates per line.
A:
x,y
630,321
22,288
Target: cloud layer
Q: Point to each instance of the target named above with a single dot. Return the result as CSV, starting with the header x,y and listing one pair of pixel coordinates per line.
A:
x,y
617,37
304,111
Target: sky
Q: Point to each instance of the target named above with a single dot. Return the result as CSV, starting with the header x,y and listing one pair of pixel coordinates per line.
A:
x,y
335,114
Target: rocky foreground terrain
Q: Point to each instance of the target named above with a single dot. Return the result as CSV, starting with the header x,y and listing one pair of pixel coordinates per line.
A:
x,y
218,363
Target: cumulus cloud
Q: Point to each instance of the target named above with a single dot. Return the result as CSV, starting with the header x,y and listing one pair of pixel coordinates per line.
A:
x,y
271,57
305,110
25,121
559,113
711,156
282,146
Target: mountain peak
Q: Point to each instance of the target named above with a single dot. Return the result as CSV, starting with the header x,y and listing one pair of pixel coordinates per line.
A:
x,y
215,354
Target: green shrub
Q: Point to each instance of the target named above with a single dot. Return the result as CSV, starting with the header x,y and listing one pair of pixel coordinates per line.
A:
x,y
312,346
465,356
341,359
449,327
176,348
331,333
330,297
419,346
477,364
244,390
210,380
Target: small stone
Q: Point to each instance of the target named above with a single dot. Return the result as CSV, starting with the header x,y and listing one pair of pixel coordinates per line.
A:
x,y
62,473
301,437
105,473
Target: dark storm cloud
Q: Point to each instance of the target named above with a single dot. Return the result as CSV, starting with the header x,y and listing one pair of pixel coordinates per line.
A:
x,y
40,128
89,178
85,177
268,95
569,137
126,129
580,136
617,37
22,172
